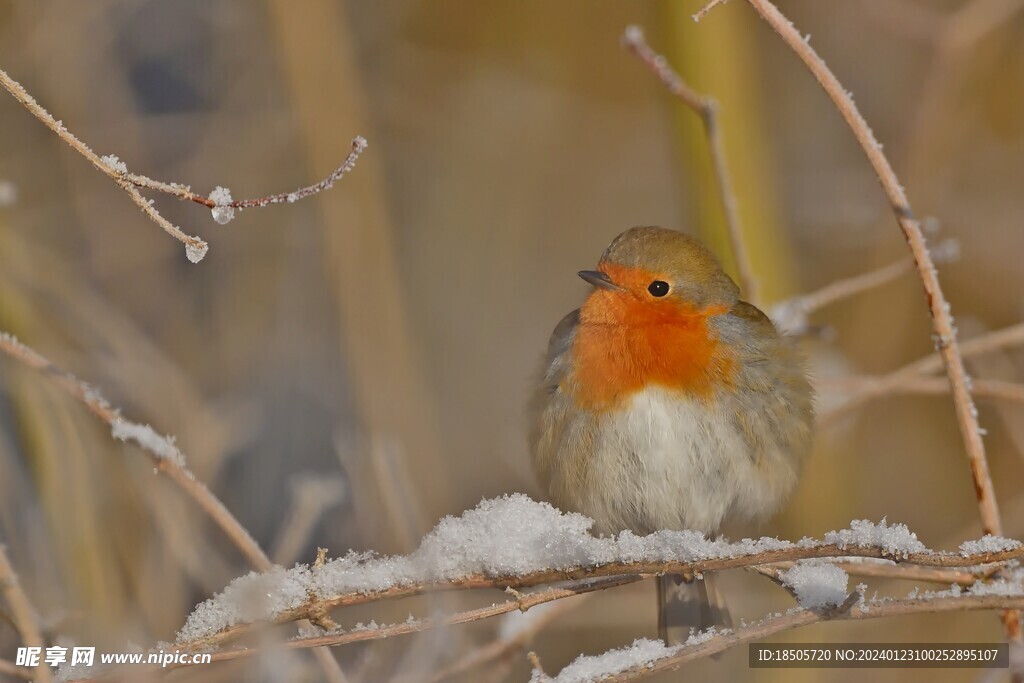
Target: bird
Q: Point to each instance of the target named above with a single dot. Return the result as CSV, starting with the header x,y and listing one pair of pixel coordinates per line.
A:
x,y
665,401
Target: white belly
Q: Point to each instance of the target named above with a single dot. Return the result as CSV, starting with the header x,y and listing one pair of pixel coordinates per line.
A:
x,y
676,463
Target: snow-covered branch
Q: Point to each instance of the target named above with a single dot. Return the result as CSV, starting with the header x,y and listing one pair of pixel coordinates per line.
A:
x,y
516,543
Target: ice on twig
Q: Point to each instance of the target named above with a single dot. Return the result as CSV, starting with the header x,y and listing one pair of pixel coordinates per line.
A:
x,y
222,210
817,584
113,163
161,446
196,252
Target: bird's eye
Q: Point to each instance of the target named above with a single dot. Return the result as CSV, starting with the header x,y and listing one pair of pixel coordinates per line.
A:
x,y
658,288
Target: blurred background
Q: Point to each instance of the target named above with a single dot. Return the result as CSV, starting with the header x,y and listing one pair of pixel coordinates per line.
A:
x,y
348,369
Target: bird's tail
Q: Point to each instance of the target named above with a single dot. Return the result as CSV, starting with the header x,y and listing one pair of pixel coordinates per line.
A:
x,y
685,603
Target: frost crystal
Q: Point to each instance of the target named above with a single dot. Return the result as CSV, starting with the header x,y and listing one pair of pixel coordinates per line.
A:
x,y
988,544
114,164
161,446
196,252
817,584
222,212
894,540
589,668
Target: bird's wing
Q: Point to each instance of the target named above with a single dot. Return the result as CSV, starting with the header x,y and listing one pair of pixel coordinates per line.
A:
x,y
561,337
755,317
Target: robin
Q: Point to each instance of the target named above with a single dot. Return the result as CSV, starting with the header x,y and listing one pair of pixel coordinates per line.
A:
x,y
668,403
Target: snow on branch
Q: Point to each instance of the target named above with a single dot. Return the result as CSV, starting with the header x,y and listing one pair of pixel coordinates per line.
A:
x,y
516,543
222,206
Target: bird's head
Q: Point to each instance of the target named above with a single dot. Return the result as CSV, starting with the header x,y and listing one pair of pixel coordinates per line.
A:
x,y
651,275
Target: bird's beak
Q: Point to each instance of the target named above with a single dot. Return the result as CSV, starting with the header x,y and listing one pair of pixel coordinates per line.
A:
x,y
599,279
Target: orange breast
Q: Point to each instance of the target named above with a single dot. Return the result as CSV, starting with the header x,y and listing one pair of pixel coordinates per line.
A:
x,y
625,343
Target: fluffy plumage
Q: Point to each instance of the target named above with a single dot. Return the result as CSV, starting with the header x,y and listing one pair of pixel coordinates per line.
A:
x,y
680,411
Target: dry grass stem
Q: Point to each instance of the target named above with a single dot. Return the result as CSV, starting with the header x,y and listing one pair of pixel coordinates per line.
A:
x,y
170,466
707,109
177,472
22,613
11,669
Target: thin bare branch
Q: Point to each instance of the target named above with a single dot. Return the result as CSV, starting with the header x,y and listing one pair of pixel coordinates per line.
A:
x,y
707,109
912,372
938,306
799,618
359,145
933,386
700,14
902,572
523,602
501,648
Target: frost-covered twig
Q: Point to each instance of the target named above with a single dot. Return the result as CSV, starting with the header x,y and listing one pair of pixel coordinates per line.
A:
x,y
219,201
707,109
699,14
938,306
646,657
22,613
195,248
